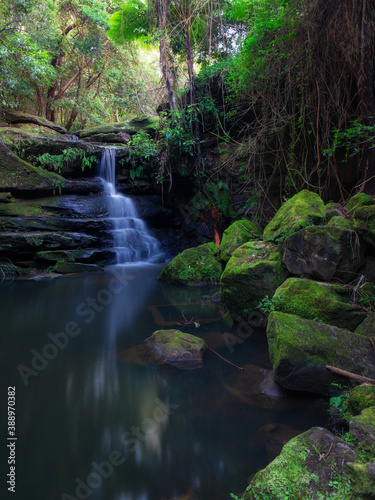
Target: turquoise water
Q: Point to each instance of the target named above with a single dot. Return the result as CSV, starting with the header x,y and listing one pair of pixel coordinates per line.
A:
x,y
94,422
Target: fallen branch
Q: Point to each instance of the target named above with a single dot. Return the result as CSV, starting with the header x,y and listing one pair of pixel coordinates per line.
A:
x,y
221,357
345,373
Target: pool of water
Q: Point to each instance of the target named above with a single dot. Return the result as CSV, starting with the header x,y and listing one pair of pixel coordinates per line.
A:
x,y
94,421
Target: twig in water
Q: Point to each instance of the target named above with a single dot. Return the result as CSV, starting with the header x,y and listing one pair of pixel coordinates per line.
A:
x,y
221,357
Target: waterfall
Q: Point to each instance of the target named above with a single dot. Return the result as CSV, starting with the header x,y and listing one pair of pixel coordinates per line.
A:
x,y
132,241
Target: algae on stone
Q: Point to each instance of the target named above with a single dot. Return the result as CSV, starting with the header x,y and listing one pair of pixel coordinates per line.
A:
x,y
236,235
304,208
194,267
176,348
300,349
314,300
254,271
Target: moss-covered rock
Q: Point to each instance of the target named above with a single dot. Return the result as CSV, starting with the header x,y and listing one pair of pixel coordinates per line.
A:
x,y
300,349
367,327
333,209
65,267
358,201
236,235
340,221
362,428
313,465
324,253
304,208
21,117
194,267
254,271
17,175
147,123
177,348
364,223
360,398
324,302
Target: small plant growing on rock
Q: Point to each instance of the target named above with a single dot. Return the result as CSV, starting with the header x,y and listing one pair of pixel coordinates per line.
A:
x,y
267,305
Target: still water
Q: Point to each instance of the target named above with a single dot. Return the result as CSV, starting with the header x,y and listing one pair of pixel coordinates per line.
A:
x,y
95,422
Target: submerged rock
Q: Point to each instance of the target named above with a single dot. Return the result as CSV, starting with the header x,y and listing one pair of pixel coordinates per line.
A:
x,y
304,208
194,267
236,235
176,348
300,349
324,252
254,271
324,302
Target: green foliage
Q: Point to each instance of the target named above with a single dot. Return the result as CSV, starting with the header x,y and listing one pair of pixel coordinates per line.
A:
x,y
129,24
7,268
338,405
177,131
352,139
57,163
267,305
143,154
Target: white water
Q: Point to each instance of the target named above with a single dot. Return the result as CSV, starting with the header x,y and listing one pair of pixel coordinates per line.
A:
x,y
132,241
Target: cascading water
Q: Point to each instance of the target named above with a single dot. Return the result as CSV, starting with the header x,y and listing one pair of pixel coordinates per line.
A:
x,y
132,241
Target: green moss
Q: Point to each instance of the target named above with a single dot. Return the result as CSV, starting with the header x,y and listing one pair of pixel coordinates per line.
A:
x,y
17,174
362,428
332,210
339,221
364,223
358,201
302,209
299,472
300,349
360,398
254,271
236,235
318,301
194,267
149,124
367,327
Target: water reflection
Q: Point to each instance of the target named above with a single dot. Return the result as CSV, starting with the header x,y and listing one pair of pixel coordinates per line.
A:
x,y
90,424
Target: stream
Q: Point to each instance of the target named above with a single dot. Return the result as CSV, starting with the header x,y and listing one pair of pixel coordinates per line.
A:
x,y
94,422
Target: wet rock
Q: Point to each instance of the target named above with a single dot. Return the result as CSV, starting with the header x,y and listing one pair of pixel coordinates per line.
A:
x,y
300,349
34,241
254,271
237,234
194,267
324,302
273,437
302,209
324,253
176,348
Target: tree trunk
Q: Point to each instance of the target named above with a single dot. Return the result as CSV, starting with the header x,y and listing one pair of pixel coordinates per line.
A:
x,y
162,9
365,20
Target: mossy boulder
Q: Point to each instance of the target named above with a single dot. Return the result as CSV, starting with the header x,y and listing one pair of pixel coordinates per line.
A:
x,y
176,348
364,223
367,327
324,253
254,271
358,201
340,221
65,267
360,398
148,123
300,349
362,428
21,117
17,175
324,302
194,267
313,465
333,209
236,235
304,208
